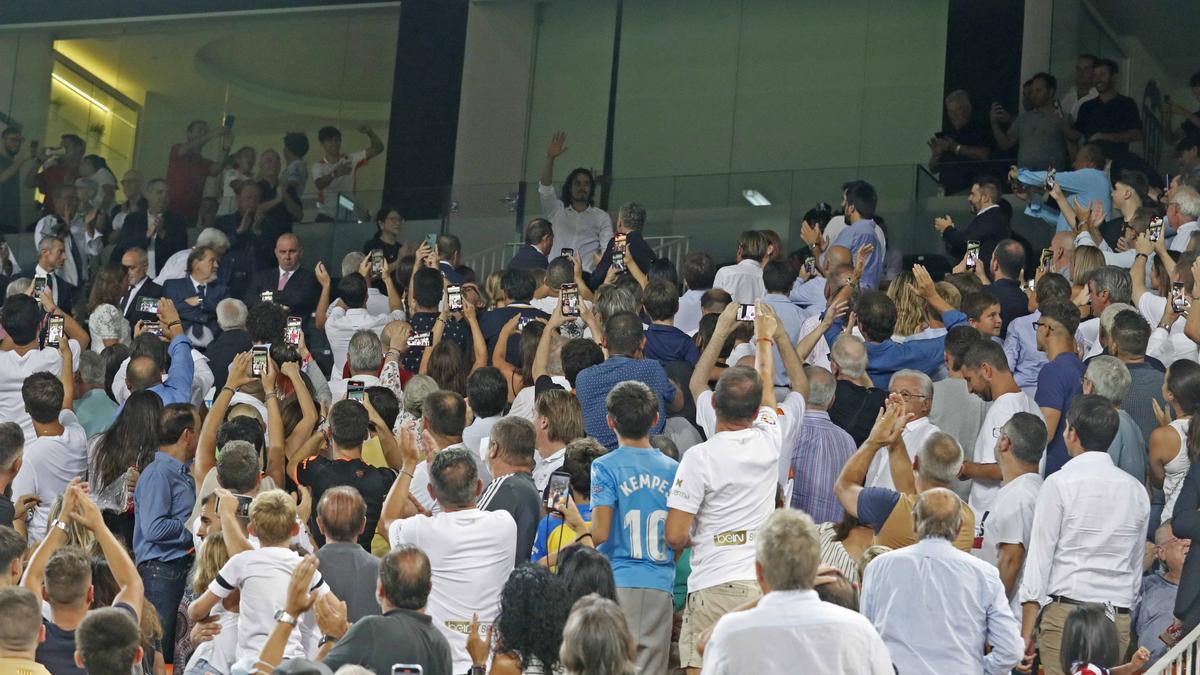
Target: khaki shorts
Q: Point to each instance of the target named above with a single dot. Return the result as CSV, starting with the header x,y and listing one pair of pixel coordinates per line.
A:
x,y
703,609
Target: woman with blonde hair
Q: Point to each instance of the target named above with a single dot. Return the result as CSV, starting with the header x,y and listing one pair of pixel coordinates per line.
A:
x,y
596,639
493,292
910,306
216,654
1085,260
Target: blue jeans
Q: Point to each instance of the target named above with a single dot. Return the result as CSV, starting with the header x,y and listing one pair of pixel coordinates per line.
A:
x,y
164,583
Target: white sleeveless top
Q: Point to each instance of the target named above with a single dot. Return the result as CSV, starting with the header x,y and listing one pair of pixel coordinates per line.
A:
x,y
1176,469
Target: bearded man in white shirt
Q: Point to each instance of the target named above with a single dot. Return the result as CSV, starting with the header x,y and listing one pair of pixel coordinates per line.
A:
x,y
1088,537
790,625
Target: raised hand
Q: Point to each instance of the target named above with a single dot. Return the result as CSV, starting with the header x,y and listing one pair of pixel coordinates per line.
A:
x,y
478,647
299,598
1161,415
940,224
924,283
558,145
322,274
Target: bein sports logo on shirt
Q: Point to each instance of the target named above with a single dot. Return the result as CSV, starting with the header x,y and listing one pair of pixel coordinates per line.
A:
x,y
734,538
464,627
766,418
678,490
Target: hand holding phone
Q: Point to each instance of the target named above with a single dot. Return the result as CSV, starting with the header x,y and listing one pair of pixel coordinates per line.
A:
x,y
972,254
258,360
557,492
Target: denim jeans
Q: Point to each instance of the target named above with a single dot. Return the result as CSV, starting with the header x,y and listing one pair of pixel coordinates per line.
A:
x,y
164,583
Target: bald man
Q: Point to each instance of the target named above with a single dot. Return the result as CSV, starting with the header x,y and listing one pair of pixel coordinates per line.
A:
x,y
290,284
1063,246
933,589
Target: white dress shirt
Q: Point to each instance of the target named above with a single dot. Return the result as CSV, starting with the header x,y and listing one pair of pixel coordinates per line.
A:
x,y
341,324
586,231
914,435
1089,534
52,280
936,606
788,628
84,244
743,281
544,466
1183,236
819,356
175,266
687,319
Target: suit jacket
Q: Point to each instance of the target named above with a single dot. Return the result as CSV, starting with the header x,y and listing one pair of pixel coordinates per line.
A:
x,y
1186,524
528,258
169,240
987,228
222,350
204,314
68,293
450,273
300,294
635,245
492,322
148,289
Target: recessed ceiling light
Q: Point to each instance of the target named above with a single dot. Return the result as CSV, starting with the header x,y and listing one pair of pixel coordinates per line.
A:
x,y
755,198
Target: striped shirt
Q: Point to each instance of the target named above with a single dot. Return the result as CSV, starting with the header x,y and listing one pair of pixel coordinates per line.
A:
x,y
820,450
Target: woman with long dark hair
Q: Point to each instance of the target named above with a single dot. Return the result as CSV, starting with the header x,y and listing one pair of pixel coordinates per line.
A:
x,y
528,631
585,570
1175,444
119,455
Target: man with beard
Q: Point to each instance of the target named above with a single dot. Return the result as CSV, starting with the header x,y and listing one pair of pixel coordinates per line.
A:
x,y
985,367
988,227
578,224
1110,120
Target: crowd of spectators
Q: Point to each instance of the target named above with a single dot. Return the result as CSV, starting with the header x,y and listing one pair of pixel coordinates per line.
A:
x,y
586,464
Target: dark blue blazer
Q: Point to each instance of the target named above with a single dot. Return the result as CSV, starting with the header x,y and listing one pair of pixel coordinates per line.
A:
x,y
204,314
528,258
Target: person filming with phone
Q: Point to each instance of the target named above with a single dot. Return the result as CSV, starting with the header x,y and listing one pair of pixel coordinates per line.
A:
x,y
988,225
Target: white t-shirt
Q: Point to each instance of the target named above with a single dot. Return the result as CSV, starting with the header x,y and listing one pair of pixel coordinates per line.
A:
x,y
1009,521
327,202
341,324
263,575
729,483
522,405
1001,410
791,416
471,554
14,369
229,200
50,464
914,435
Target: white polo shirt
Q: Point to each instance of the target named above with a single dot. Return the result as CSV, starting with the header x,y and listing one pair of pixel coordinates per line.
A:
x,y
729,484
341,324
50,464
471,553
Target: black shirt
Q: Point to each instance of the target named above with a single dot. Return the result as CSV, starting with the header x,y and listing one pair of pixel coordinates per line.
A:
x,y
7,511
391,252
57,653
517,494
958,171
319,474
1119,114
854,409
422,322
400,636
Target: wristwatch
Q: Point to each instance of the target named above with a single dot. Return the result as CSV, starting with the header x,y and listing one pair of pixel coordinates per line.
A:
x,y
283,617
327,639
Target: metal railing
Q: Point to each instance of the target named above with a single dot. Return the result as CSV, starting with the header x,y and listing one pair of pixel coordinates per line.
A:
x,y
1182,659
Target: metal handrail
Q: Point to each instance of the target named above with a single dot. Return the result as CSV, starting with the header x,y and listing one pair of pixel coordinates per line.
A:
x,y
491,259
1182,659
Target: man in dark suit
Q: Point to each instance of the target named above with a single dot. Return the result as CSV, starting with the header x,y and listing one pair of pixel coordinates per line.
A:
x,y
449,250
155,230
140,285
631,219
196,296
294,286
233,340
988,227
1007,261
539,242
519,286
52,253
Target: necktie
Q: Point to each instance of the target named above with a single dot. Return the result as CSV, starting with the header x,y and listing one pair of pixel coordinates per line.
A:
x,y
283,279
200,290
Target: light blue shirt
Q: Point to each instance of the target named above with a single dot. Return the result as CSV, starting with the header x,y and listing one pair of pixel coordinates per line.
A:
x,y
1086,184
1024,358
936,607
634,483
791,318
809,294
164,499
855,237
